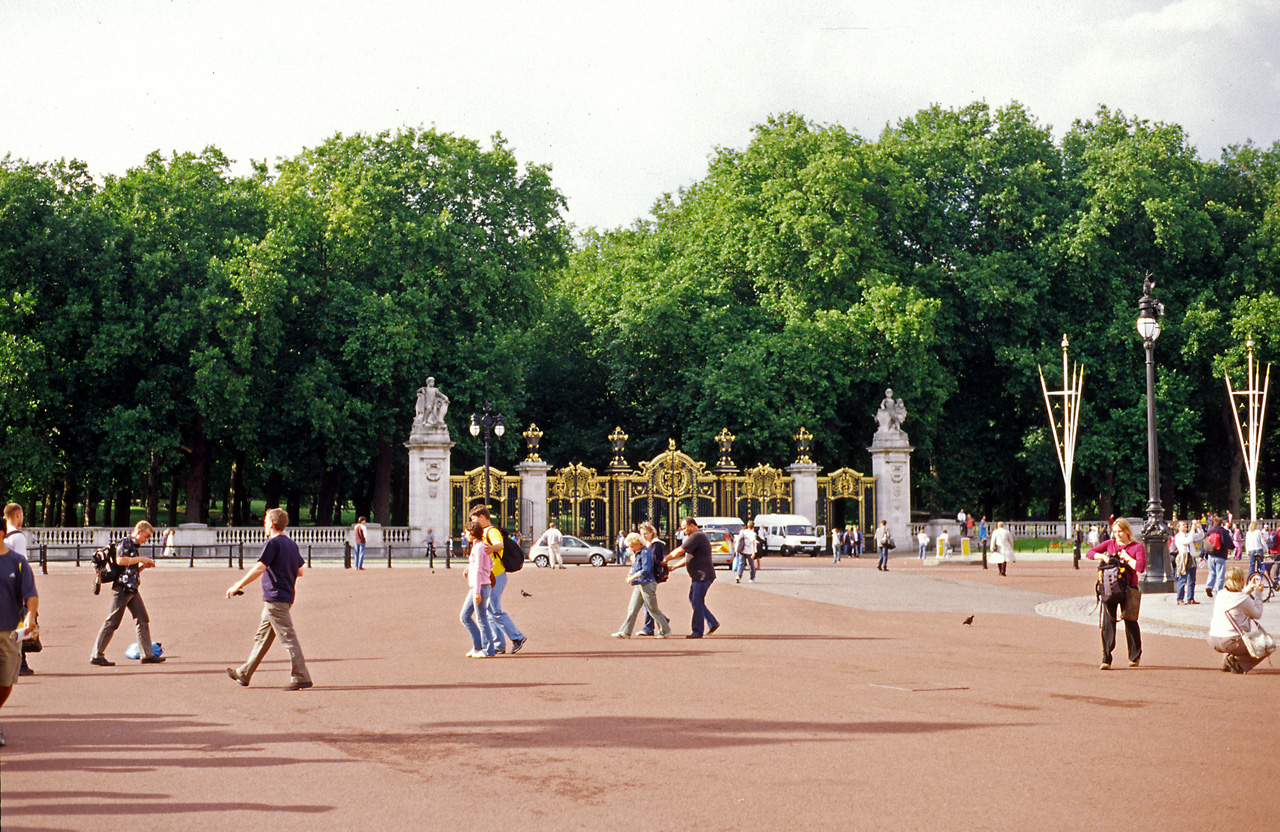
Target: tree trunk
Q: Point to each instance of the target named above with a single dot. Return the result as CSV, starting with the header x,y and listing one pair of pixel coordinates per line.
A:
x,y
294,508
400,504
272,491
197,473
107,503
67,508
239,500
91,506
1104,499
123,501
174,490
382,482
153,489
327,497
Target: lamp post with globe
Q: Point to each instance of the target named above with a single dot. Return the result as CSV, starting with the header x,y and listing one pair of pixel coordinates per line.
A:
x,y
1155,533
492,424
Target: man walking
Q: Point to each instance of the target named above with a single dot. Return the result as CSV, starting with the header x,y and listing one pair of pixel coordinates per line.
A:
x,y
125,595
1217,543
17,591
504,627
882,543
279,566
553,538
16,541
695,555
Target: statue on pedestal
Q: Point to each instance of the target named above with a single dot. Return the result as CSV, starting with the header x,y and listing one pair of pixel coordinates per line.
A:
x,y
892,414
431,407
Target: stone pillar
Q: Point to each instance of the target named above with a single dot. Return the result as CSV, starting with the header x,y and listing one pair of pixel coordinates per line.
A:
x,y
429,467
533,488
891,466
804,489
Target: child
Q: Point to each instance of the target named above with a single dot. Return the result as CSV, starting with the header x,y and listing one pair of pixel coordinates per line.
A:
x,y
479,581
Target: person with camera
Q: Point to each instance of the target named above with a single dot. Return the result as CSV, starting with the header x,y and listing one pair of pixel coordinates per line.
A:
x,y
1235,609
1122,545
125,595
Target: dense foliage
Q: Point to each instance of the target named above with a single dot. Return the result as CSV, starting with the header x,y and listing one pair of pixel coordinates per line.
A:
x,y
182,329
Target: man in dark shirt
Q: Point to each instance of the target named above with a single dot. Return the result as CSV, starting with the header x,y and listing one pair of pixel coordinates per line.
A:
x,y
125,596
19,609
695,556
279,566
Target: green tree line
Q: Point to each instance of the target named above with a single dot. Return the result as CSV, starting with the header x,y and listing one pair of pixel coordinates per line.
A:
x,y
180,334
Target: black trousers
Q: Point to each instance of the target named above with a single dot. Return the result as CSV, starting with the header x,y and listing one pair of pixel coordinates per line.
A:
x,y
1132,633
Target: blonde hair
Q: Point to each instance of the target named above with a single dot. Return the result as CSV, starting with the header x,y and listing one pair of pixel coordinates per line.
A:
x,y
1253,525
634,538
12,511
143,526
646,528
1235,579
1125,527
279,518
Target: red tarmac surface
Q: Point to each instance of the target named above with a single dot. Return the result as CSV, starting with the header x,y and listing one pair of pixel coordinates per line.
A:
x,y
796,715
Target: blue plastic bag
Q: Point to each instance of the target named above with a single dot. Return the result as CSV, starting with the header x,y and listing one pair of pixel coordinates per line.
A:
x,y
134,652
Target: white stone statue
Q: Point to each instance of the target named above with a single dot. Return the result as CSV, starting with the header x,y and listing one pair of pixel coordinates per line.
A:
x,y
431,407
892,413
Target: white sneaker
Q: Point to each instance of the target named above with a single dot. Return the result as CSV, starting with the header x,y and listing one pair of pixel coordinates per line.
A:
x,y
621,635
753,580
659,635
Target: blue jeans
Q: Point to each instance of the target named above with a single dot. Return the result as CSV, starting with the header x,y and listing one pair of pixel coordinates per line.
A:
x,y
1186,584
884,557
1255,561
745,561
484,636
835,554
1217,573
503,625
359,556
698,598
924,550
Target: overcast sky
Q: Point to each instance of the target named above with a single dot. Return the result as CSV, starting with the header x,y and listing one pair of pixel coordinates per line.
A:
x,y
625,100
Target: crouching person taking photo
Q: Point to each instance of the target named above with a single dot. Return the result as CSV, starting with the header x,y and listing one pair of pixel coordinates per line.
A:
x,y
1236,611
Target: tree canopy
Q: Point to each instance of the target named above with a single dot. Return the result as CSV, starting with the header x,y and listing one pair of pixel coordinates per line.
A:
x,y
220,336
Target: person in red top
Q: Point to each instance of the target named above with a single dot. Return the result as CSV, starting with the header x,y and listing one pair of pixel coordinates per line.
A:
x,y
1134,554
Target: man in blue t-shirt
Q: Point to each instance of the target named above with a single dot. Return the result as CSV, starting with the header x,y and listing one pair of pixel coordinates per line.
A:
x,y
17,590
279,566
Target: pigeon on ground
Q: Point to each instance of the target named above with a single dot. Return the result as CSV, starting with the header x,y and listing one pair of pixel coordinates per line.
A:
x,y
526,594
969,620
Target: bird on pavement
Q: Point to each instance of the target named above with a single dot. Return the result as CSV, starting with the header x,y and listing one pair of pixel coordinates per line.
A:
x,y
526,594
969,620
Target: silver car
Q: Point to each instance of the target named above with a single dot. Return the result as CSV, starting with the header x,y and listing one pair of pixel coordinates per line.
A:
x,y
572,550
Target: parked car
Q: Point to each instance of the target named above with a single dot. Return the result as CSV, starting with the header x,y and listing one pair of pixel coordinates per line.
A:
x,y
721,546
572,550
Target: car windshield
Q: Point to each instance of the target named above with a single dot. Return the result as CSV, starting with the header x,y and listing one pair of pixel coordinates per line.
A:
x,y
574,542
800,530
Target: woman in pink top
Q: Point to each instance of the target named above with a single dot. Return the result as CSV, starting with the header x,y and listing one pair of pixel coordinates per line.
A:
x,y
479,576
1133,553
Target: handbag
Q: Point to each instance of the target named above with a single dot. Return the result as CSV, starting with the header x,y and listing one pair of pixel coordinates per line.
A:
x,y
1257,641
31,644
1132,603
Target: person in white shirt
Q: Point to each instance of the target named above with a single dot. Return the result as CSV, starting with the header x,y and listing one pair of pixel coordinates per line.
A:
x,y
1184,561
16,540
944,544
553,538
923,540
1001,547
745,546
1253,546
1235,608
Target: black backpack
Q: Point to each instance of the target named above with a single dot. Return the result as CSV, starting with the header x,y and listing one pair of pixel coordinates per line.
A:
x,y
1113,581
661,571
512,554
105,567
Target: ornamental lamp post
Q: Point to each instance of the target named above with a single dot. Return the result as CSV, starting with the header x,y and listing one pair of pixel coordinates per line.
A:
x,y
492,423
1155,534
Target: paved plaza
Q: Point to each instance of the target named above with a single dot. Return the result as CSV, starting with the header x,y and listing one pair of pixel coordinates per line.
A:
x,y
831,697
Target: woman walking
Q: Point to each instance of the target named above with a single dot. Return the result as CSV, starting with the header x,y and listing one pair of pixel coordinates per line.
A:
x,y
644,590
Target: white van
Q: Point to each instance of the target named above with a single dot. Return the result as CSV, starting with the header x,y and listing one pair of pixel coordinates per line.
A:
x,y
788,534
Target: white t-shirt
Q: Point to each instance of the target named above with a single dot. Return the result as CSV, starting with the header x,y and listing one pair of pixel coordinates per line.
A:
x,y
748,537
17,541
553,538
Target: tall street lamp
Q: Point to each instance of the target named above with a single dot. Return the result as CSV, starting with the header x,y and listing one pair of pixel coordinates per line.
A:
x,y
492,423
1155,534
1250,432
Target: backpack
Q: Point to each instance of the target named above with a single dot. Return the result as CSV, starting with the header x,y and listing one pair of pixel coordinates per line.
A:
x,y
1271,540
512,554
661,571
1213,543
105,567
1113,581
